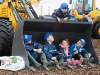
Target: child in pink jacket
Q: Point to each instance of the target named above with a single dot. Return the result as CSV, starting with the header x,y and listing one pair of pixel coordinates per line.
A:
x,y
64,49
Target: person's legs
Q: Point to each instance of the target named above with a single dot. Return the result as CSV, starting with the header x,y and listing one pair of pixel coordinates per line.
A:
x,y
77,62
60,58
80,58
89,60
55,62
32,60
44,60
61,61
69,61
34,55
73,62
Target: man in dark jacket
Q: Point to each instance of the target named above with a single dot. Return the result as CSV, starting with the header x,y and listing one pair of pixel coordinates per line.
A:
x,y
34,50
61,13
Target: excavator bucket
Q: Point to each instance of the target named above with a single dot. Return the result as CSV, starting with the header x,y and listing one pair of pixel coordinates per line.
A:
x,y
37,27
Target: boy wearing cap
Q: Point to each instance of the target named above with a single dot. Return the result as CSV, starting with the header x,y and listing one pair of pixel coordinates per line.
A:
x,y
79,52
51,52
62,12
34,50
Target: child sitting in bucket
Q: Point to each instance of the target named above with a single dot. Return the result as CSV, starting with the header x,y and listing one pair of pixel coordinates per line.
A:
x,y
64,49
51,52
34,50
62,12
80,52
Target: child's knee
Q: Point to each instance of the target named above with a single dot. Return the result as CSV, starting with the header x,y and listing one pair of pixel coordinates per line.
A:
x,y
77,62
69,62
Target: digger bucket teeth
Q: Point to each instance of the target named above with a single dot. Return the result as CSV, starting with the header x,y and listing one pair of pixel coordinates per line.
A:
x,y
37,27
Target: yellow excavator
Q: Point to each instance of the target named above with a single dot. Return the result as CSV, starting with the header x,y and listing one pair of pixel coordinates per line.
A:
x,y
87,7
11,11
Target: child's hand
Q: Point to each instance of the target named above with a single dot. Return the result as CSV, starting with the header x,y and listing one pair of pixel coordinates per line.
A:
x,y
53,58
39,50
58,19
89,55
65,19
35,50
76,52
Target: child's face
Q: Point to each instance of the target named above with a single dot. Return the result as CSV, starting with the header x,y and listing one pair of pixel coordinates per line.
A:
x,y
65,43
79,44
50,38
29,42
64,10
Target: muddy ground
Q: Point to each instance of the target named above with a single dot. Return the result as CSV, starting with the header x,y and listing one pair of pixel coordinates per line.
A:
x,y
77,71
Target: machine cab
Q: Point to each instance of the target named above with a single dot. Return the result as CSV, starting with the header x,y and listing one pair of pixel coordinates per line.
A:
x,y
83,6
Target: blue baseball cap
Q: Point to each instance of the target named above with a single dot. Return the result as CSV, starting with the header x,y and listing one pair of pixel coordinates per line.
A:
x,y
64,6
46,35
83,42
27,38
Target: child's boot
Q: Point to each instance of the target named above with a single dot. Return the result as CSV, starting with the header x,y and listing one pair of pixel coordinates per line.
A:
x,y
32,68
81,61
85,61
31,59
71,67
44,60
90,61
80,65
57,64
61,62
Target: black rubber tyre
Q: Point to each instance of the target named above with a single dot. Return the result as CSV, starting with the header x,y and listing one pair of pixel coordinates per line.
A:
x,y
95,32
6,37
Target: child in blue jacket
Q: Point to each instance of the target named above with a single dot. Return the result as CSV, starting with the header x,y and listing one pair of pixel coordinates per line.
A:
x,y
78,51
51,52
62,12
34,50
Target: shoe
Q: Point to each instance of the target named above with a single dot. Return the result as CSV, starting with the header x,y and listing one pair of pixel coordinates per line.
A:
x,y
58,66
51,63
33,69
91,60
38,65
45,67
80,65
48,63
39,68
63,63
85,61
90,64
70,67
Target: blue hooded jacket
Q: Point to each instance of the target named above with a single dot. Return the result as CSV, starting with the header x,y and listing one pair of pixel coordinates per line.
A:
x,y
33,45
50,50
74,47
